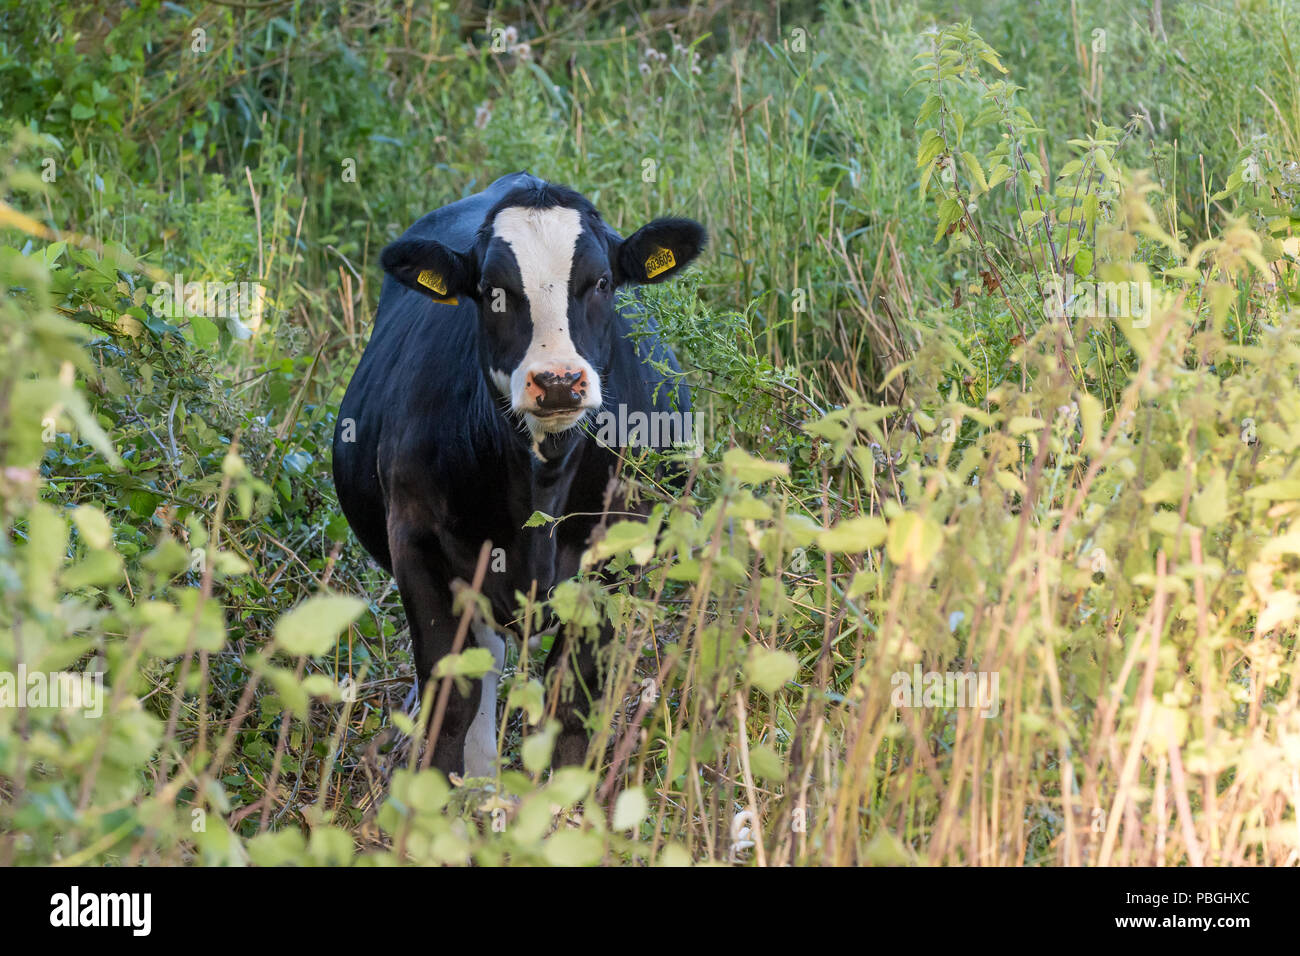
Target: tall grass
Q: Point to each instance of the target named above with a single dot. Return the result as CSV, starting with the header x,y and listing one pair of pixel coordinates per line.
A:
x,y
920,457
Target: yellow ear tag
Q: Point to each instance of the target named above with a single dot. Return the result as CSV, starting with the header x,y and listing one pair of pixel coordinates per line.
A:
x,y
431,280
661,261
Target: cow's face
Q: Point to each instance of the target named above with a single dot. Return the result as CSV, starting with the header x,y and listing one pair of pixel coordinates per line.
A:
x,y
543,274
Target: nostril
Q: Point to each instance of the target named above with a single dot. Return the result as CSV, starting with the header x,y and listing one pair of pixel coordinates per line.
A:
x,y
558,390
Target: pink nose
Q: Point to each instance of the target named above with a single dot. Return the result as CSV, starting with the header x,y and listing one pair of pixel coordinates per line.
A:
x,y
557,390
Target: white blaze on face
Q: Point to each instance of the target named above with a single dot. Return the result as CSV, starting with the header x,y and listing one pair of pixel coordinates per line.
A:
x,y
543,242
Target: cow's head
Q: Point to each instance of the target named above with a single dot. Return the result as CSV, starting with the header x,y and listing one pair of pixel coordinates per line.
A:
x,y
543,273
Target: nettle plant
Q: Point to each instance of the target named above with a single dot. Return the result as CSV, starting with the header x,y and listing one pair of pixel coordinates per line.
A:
x,y
1106,480
1053,230
1127,568
1265,183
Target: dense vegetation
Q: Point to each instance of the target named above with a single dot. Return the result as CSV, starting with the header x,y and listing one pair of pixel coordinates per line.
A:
x,y
927,445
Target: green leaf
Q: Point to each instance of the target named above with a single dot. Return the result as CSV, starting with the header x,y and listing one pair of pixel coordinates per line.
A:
x,y
1083,262
313,626
739,464
330,846
530,698
854,535
321,685
1024,423
572,602
999,174
536,749
337,529
630,809
1104,165
769,670
976,173
573,848
100,569
624,536
950,210
1210,505
885,849
93,526
932,145
426,791
278,848
913,541
205,331
1090,412
472,662
766,763
569,785
1167,488
1285,489
286,686
1030,218
143,503
47,542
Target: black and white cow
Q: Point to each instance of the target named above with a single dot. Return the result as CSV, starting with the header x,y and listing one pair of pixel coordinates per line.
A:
x,y
496,344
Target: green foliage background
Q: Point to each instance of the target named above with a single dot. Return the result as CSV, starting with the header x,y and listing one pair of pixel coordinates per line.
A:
x,y
911,457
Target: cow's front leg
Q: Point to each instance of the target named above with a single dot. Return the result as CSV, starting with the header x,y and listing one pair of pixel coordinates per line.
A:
x,y
573,673
481,738
427,602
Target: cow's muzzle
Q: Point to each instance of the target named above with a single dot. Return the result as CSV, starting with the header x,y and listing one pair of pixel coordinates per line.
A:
x,y
557,391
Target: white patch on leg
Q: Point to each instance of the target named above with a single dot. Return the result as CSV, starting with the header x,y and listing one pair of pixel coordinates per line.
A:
x,y
481,740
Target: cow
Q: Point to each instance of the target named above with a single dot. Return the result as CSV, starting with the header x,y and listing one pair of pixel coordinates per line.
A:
x,y
496,345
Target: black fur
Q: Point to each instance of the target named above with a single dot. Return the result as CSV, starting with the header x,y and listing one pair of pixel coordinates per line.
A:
x,y
438,464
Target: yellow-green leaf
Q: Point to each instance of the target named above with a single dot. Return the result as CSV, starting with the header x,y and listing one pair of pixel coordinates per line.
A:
x,y
313,626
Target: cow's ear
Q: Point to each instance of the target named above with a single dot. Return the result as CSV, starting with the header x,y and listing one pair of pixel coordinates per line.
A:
x,y
428,266
659,250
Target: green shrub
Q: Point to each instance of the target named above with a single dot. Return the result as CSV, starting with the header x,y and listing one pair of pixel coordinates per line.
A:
x,y
938,440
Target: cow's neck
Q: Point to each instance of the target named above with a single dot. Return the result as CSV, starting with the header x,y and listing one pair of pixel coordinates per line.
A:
x,y
551,467
540,480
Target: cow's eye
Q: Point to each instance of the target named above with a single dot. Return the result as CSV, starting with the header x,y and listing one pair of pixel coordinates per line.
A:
x,y
602,284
